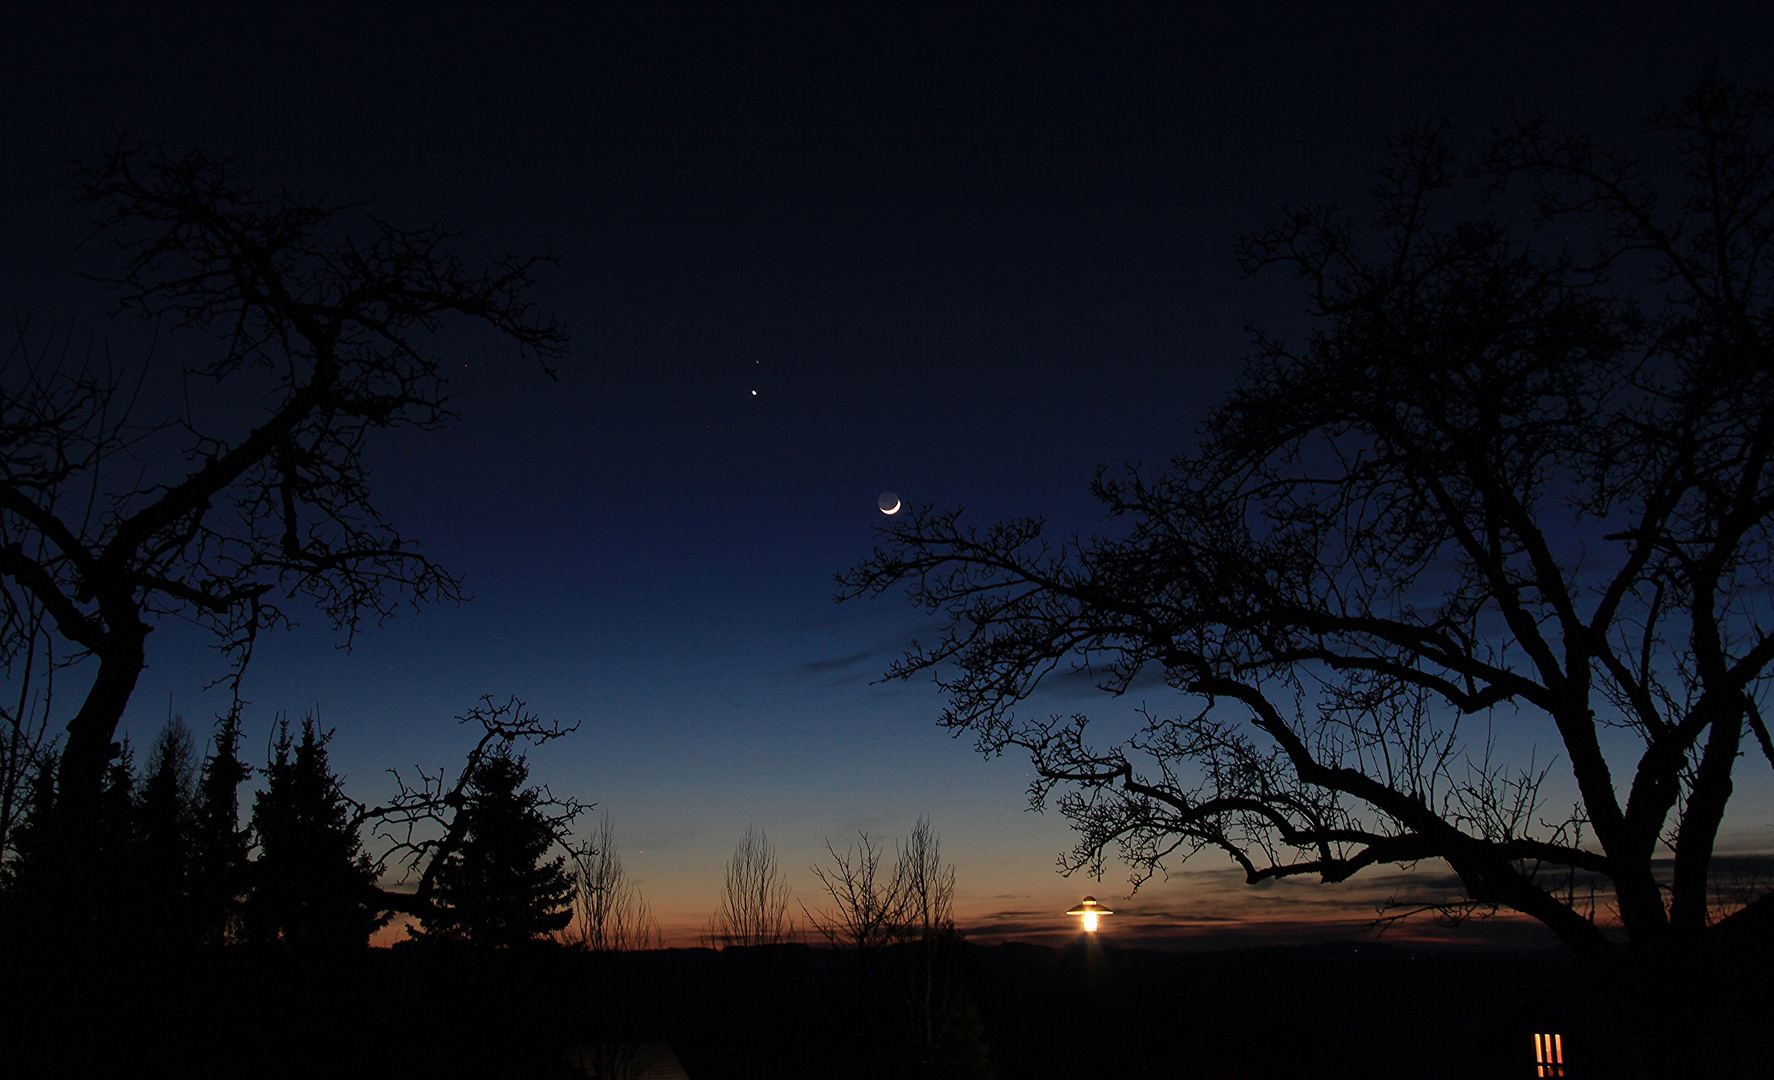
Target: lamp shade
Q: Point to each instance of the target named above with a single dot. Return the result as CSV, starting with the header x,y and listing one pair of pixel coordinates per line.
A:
x,y
1091,911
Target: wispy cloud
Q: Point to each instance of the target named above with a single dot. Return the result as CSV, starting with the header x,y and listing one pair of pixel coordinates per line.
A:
x,y
816,667
1214,909
1087,682
868,662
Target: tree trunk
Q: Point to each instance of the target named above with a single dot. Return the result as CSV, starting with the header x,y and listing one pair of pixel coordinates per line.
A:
x,y
1677,1025
81,775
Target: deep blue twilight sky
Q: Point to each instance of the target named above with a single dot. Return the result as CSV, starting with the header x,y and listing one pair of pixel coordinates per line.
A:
x,y
962,253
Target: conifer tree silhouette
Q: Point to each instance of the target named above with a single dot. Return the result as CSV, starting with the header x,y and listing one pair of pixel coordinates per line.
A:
x,y
159,861
312,883
114,840
230,518
219,844
497,887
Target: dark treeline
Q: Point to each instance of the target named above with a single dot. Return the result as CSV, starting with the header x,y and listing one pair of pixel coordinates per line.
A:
x,y
185,869
239,917
448,1008
240,902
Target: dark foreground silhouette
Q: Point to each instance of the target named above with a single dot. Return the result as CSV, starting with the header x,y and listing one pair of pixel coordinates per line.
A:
x,y
1089,1009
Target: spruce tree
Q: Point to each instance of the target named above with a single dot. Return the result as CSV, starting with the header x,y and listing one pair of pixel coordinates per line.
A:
x,y
312,882
219,844
160,855
116,917
496,888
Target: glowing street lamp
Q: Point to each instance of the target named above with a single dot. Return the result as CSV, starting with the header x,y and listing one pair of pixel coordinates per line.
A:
x,y
1090,909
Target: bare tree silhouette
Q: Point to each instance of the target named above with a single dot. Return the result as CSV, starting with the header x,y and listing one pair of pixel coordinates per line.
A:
x,y
867,909
609,912
111,521
913,1013
754,901
1495,487
927,883
943,1029
27,744
612,922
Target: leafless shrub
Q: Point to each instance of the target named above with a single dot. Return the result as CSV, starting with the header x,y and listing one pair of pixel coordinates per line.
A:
x,y
867,911
754,903
609,913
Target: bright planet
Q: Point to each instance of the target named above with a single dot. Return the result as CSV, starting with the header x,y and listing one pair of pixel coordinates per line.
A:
x,y
888,502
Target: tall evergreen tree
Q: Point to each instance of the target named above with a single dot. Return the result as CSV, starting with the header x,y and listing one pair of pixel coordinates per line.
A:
x,y
116,819
115,917
23,889
497,887
312,882
159,857
219,844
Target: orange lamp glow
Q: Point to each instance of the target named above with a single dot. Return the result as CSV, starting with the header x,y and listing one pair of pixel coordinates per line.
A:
x,y
1549,1056
1091,911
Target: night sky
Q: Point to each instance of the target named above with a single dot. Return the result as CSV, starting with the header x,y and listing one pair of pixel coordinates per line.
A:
x,y
964,254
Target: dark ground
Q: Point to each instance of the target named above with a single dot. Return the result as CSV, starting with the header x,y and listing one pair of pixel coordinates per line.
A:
x,y
792,1011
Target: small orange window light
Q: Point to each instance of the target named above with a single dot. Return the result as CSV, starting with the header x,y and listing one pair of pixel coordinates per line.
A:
x,y
1549,1056
1091,910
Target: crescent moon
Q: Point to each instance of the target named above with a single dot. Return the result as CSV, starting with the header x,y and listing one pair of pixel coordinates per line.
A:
x,y
894,510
